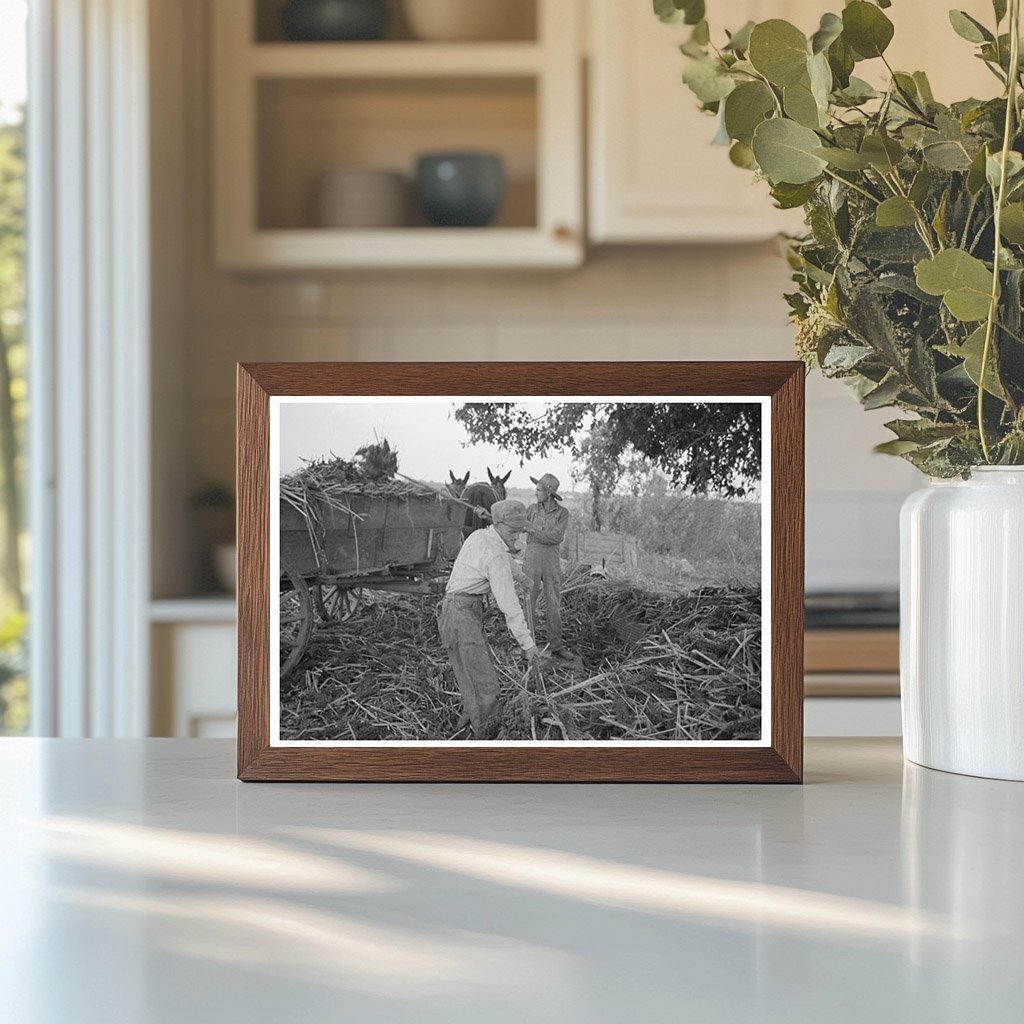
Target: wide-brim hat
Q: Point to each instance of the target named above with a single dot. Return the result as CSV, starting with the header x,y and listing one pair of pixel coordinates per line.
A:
x,y
550,483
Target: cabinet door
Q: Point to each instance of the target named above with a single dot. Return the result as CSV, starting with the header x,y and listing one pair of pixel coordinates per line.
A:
x,y
654,175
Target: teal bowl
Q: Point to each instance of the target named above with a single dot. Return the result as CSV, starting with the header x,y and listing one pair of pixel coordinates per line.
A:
x,y
334,21
460,190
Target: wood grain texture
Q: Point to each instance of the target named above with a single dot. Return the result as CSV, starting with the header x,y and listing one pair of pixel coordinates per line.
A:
x,y
852,650
252,485
781,762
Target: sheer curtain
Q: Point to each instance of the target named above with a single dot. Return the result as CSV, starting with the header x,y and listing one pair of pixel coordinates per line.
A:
x,y
88,301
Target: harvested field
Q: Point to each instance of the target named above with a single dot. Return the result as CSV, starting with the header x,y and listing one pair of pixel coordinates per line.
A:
x,y
655,666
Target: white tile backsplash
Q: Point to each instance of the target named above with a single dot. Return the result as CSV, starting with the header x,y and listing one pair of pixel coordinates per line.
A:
x,y
718,302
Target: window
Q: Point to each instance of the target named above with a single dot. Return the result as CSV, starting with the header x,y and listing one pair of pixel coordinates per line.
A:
x,y
14,704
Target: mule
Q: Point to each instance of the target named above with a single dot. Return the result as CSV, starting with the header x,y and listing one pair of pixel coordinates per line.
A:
x,y
482,495
456,485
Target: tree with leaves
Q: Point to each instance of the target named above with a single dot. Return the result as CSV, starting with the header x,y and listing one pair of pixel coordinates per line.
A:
x,y
12,349
910,280
700,446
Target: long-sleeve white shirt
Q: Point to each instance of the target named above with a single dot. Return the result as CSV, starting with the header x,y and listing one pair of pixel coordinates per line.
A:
x,y
484,565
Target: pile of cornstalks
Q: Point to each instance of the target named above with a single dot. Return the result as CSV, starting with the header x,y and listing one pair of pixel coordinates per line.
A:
x,y
655,666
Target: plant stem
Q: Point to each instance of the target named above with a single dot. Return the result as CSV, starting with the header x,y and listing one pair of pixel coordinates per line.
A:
x,y
855,187
993,309
922,225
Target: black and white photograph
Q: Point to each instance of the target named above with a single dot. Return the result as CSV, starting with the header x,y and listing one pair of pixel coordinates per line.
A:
x,y
538,571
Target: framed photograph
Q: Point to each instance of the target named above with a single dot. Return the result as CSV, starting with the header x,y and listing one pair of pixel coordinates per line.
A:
x,y
520,572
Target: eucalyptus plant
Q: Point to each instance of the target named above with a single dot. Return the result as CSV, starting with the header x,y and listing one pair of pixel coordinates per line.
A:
x,y
909,281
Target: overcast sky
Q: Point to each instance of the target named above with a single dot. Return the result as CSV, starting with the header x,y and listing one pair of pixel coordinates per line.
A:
x,y
429,440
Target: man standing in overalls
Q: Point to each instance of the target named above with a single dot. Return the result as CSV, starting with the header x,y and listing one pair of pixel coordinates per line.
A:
x,y
546,523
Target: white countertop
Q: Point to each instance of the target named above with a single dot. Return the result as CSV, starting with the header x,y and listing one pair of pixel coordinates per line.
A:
x,y
142,884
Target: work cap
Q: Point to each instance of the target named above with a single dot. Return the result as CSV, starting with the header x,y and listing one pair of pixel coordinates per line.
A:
x,y
550,484
510,512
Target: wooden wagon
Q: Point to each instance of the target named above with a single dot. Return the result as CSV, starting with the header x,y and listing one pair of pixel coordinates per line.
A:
x,y
331,552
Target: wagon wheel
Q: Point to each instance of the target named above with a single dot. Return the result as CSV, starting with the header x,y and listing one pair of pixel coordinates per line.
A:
x,y
336,604
296,618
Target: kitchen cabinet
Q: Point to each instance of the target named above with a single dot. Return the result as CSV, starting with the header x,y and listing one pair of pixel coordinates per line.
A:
x,y
286,113
193,668
653,175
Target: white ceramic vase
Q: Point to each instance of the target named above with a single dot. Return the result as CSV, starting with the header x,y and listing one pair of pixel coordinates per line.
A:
x,y
962,624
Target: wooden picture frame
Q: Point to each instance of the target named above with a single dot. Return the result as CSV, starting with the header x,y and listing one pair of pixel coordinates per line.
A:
x,y
776,758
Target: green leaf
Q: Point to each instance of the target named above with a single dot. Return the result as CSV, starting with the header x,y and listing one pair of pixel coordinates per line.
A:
x,y
701,33
896,212
921,185
963,281
999,7
976,174
676,12
971,352
745,108
739,41
969,28
924,88
1012,223
800,105
939,220
785,152
883,153
844,159
708,80
778,50
830,28
906,89
946,156
789,197
841,60
695,11
866,29
820,76
895,447
742,155
858,91
994,167
923,431
885,394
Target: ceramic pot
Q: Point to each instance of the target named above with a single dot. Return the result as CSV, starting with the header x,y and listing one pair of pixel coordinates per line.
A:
x,y
962,624
471,20
361,198
460,189
334,20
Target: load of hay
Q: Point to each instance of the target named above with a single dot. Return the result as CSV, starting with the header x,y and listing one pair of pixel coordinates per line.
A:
x,y
323,484
655,666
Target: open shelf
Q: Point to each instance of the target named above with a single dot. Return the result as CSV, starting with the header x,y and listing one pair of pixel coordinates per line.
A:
x,y
308,127
405,248
393,60
286,114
